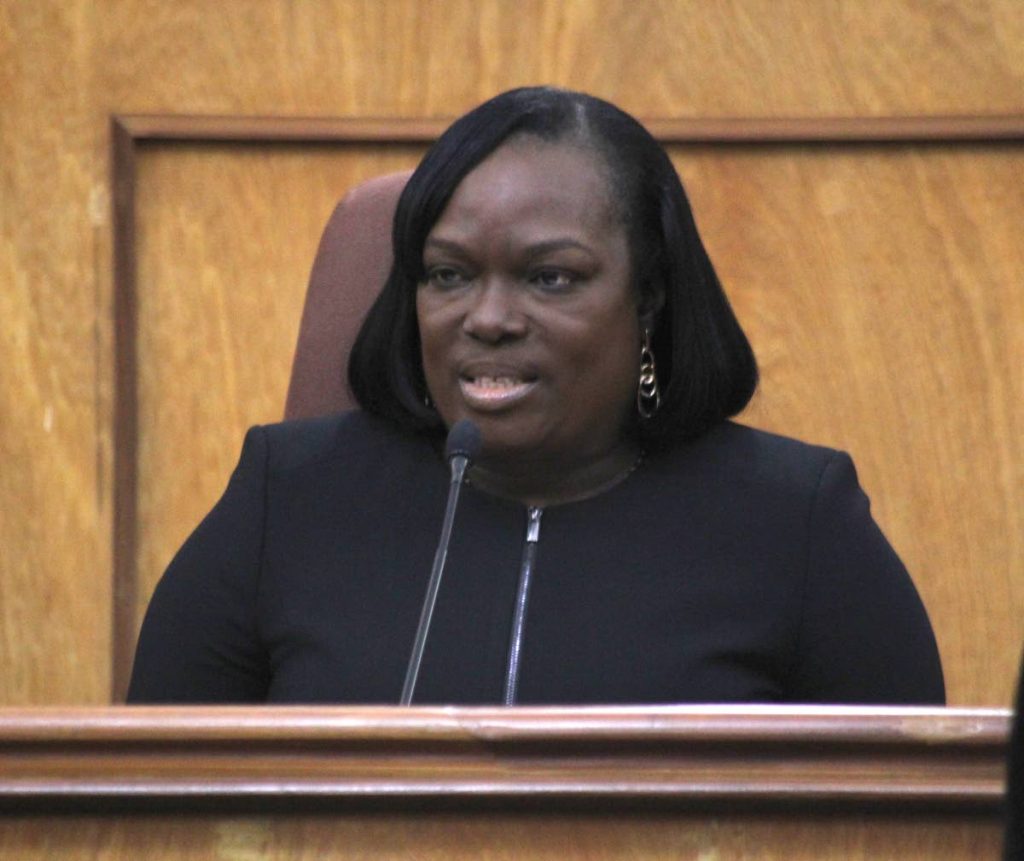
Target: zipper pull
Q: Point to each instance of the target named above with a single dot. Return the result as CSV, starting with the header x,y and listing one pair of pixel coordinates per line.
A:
x,y
533,525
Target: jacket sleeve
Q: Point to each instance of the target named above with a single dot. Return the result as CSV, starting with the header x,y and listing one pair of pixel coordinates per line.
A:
x,y
199,641
864,635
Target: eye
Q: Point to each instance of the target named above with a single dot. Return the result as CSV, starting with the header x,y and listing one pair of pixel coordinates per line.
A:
x,y
554,279
444,277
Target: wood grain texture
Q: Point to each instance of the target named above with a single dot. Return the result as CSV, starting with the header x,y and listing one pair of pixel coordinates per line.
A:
x,y
831,758
879,285
225,242
883,290
499,783
433,836
66,66
54,382
657,58
162,128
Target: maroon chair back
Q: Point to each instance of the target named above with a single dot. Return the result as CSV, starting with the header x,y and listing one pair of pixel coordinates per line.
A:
x,y
351,264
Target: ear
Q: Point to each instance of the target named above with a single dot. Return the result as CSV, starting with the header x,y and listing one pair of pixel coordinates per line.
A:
x,y
650,302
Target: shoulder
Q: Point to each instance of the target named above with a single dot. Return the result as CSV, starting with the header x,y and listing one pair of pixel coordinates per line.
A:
x,y
737,453
743,477
303,444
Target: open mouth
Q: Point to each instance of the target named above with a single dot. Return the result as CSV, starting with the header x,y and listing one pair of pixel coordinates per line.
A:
x,y
483,390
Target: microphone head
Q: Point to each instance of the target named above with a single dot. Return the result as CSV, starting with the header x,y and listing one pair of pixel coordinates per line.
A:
x,y
463,441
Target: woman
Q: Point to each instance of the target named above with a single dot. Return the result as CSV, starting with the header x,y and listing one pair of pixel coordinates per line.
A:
x,y
550,285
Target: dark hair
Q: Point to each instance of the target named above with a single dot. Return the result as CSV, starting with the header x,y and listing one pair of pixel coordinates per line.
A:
x,y
706,368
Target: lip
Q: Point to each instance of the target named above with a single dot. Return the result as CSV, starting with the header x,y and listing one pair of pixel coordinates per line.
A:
x,y
489,388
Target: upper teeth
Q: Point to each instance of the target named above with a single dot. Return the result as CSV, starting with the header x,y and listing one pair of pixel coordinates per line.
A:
x,y
496,381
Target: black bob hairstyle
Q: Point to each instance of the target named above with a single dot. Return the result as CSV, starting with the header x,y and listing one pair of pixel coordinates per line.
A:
x,y
706,368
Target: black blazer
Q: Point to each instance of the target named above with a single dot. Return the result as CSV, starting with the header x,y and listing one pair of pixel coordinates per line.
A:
x,y
740,568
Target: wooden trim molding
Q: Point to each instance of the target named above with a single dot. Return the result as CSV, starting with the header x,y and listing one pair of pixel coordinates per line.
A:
x,y
126,408
130,132
697,130
895,759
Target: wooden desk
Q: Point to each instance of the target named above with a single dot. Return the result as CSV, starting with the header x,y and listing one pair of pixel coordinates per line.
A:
x,y
701,783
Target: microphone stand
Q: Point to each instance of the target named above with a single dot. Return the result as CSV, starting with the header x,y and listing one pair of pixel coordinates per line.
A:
x,y
462,444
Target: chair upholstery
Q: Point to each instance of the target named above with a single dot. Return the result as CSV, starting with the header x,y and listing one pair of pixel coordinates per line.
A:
x,y
351,264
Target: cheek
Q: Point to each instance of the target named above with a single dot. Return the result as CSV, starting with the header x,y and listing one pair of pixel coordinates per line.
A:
x,y
432,337
607,368
429,359
618,347
435,341
621,368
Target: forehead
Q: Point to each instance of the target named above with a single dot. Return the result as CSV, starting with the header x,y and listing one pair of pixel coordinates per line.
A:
x,y
531,179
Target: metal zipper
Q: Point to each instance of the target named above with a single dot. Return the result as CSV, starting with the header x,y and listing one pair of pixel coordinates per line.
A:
x,y
515,643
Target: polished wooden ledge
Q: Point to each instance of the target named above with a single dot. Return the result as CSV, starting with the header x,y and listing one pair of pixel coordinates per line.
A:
x,y
699,756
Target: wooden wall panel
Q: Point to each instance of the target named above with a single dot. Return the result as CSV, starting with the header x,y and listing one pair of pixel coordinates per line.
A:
x,y
66,65
882,290
226,236
874,303
54,378
657,58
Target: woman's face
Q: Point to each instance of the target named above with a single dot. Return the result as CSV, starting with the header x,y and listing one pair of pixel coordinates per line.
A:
x,y
528,317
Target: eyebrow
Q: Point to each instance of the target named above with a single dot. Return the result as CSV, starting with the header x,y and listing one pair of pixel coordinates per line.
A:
x,y
537,248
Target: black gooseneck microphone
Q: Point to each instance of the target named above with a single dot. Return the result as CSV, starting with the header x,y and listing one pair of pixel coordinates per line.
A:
x,y
460,448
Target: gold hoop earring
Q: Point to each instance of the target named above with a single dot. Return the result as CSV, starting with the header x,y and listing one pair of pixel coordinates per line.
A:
x,y
648,395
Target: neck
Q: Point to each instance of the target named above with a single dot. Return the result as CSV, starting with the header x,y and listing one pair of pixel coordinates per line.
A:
x,y
542,482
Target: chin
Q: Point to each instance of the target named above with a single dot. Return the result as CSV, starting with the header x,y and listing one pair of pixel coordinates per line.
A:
x,y
499,437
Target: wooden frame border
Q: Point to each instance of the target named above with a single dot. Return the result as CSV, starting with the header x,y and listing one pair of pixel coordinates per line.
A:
x,y
130,132
891,760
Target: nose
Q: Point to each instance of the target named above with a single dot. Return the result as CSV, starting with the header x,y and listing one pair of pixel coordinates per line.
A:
x,y
494,314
